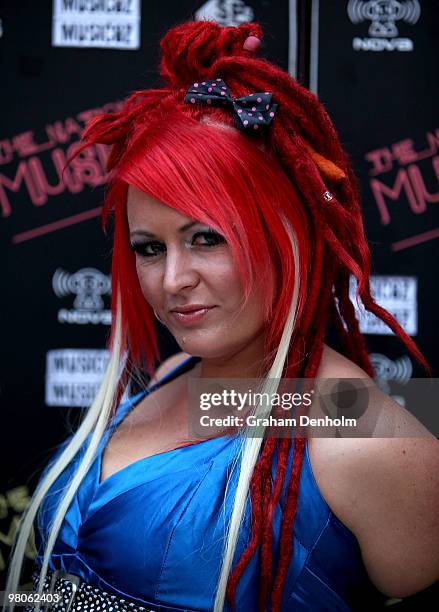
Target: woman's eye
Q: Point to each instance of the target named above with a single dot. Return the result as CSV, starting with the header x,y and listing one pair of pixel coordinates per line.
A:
x,y
147,249
213,238
153,248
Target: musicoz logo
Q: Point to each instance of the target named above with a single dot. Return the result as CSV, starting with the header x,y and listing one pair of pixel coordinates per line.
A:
x,y
383,14
88,285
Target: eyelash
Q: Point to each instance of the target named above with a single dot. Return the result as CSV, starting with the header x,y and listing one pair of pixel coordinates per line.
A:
x,y
140,247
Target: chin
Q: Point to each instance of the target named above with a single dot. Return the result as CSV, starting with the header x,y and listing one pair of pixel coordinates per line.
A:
x,y
206,346
199,349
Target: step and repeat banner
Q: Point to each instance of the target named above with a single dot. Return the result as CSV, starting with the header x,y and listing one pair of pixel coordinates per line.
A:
x,y
64,62
373,64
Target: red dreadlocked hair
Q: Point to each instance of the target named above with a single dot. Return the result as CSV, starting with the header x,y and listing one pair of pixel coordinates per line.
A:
x,y
160,145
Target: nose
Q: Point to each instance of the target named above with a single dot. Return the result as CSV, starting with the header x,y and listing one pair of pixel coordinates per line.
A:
x,y
179,272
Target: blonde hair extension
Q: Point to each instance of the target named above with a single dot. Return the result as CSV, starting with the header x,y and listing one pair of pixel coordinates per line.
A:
x,y
96,421
250,447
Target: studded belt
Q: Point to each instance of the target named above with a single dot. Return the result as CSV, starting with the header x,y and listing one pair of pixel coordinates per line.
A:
x,y
72,594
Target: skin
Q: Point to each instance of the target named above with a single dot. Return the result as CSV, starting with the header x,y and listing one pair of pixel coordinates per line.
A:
x,y
384,489
186,271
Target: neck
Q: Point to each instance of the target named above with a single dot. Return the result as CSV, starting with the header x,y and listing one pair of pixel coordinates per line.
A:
x,y
244,363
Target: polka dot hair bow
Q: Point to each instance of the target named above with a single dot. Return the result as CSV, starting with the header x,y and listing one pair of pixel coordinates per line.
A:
x,y
250,111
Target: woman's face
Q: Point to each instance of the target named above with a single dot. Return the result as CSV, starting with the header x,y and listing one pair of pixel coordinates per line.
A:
x,y
180,263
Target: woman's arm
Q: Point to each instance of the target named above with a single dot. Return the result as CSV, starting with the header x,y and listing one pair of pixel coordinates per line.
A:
x,y
386,491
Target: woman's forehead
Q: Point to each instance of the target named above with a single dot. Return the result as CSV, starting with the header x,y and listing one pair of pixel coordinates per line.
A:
x,y
143,209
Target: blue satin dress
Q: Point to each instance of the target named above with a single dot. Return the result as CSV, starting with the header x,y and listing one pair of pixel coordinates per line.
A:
x,y
153,532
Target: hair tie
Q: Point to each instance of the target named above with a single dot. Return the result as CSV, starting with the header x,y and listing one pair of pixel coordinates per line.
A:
x,y
250,112
252,43
326,166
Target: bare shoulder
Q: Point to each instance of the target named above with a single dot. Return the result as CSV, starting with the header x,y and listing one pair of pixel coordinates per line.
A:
x,y
149,417
386,491
335,365
167,365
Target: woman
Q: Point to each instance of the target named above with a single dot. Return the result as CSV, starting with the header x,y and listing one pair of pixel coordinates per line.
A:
x,y
233,199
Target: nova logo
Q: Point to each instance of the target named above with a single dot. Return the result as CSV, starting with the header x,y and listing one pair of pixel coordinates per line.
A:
x,y
88,285
386,370
383,15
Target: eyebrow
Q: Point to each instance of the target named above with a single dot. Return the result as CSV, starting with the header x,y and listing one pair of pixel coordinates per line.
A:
x,y
183,228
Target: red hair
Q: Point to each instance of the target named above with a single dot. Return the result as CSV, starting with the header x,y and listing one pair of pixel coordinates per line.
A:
x,y
246,187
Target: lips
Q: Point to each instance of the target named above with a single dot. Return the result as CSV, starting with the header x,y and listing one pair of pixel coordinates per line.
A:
x,y
191,308
191,317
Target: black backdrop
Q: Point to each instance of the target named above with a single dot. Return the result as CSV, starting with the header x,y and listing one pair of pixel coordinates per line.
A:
x,y
56,260
384,104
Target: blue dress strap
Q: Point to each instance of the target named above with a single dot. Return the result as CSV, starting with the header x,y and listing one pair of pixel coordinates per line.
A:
x,y
125,407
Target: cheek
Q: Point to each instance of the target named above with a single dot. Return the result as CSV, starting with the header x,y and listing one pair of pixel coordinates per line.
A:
x,y
229,286
148,284
223,278
226,276
254,312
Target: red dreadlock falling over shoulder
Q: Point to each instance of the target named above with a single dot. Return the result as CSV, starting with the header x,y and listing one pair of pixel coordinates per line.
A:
x,y
303,142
